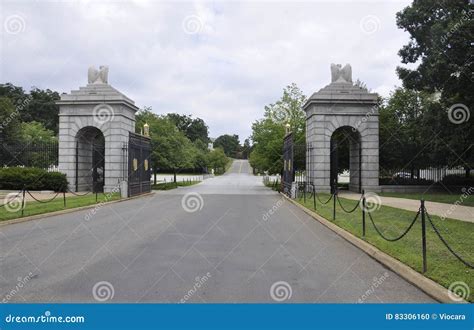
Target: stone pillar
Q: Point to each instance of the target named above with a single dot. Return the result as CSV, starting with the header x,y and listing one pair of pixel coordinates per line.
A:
x,y
343,105
97,107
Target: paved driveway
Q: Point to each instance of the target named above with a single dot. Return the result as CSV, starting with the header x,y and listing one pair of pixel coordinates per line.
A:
x,y
228,239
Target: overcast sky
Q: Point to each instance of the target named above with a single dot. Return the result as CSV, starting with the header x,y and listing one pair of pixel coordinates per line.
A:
x,y
218,60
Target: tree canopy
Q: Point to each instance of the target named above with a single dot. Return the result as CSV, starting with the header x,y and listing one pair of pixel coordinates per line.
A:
x,y
440,47
37,105
268,132
193,128
229,143
172,150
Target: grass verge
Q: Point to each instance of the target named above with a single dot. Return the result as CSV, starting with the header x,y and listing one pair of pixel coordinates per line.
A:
x,y
462,199
34,208
173,185
443,267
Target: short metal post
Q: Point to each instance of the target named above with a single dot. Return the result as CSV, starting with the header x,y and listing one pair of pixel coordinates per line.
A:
x,y
334,203
314,197
363,213
96,196
64,198
23,201
423,234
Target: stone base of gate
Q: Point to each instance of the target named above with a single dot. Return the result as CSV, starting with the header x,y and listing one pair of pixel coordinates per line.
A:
x,y
124,189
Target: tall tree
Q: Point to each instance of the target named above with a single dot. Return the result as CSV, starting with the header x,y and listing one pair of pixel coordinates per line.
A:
x,y
38,105
246,148
193,128
441,36
35,132
402,143
229,143
171,149
441,33
9,120
268,132
218,160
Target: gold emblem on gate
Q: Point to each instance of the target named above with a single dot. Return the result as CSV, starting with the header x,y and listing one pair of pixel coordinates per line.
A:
x,y
135,164
146,164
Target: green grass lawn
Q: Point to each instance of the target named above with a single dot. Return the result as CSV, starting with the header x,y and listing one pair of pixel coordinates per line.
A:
x,y
443,267
33,207
172,185
465,200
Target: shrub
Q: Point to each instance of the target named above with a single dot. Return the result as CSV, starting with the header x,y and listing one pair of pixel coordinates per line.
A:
x,y
15,178
458,180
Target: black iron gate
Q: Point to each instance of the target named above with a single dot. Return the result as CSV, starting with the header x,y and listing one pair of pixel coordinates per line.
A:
x,y
98,166
139,173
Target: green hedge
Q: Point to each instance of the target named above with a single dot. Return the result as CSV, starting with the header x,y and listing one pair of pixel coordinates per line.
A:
x,y
15,178
458,180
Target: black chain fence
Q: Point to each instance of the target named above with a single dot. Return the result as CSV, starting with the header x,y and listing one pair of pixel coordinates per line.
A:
x,y
11,199
307,190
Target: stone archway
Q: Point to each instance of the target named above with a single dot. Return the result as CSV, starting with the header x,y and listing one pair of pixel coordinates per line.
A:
x,y
83,113
346,150
342,104
90,160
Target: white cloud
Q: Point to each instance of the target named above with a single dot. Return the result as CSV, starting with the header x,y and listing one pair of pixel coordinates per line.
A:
x,y
241,57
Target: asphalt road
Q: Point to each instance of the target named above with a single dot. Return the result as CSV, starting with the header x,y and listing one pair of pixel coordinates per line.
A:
x,y
228,239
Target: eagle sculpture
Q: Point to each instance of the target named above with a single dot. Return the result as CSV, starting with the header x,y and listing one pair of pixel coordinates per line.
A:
x,y
339,75
100,76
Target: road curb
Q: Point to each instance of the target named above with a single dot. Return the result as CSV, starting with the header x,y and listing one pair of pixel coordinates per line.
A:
x,y
66,211
430,287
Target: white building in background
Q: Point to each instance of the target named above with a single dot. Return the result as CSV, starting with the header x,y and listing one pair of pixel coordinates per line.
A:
x,y
210,145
